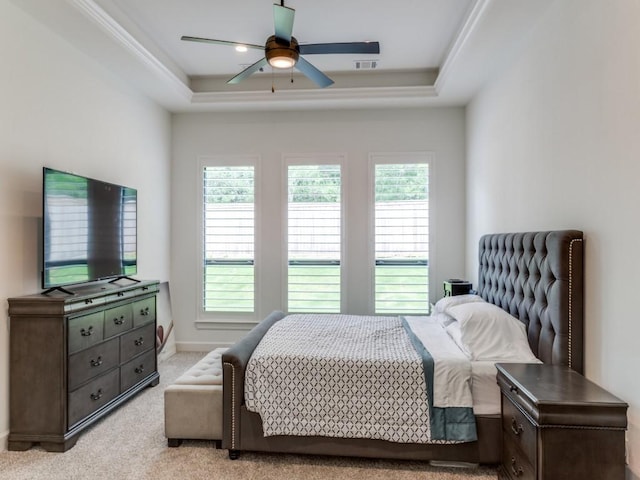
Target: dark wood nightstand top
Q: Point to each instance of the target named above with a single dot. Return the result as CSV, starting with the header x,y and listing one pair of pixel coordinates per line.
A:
x,y
555,383
554,394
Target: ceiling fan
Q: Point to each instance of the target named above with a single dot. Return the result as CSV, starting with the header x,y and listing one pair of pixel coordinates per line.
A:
x,y
282,50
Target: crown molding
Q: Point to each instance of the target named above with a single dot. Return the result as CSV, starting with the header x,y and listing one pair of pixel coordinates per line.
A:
x,y
412,96
474,15
110,26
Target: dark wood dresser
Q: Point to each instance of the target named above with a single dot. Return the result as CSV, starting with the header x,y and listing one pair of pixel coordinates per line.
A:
x,y
74,358
557,425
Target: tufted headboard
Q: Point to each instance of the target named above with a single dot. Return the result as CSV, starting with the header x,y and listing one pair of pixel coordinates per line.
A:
x,y
538,278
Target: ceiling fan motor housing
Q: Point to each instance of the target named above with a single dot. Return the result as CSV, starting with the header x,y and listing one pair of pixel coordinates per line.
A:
x,y
276,48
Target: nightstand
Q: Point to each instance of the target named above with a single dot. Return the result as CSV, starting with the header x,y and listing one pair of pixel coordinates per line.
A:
x,y
558,425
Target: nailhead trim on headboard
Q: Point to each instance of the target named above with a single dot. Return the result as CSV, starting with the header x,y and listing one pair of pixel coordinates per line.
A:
x,y
571,298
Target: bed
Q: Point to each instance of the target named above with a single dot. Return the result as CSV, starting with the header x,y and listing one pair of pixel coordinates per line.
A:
x,y
536,277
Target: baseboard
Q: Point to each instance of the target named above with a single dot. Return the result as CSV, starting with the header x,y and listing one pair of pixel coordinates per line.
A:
x,y
201,346
4,441
167,352
452,464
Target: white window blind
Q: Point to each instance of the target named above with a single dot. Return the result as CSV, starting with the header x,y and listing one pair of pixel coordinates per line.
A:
x,y
401,238
229,225
314,238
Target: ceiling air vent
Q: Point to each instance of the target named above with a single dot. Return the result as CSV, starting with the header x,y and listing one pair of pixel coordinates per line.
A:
x,y
365,64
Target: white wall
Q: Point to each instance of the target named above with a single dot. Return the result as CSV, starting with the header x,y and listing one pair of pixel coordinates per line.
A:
x,y
554,142
60,109
270,135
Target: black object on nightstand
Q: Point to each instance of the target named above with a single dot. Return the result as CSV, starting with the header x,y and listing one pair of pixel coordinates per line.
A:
x,y
454,286
556,424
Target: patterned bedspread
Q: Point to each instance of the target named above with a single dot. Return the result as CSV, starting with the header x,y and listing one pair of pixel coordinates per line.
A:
x,y
346,376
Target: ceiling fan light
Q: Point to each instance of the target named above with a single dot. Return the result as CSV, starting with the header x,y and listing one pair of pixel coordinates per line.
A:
x,y
282,62
280,54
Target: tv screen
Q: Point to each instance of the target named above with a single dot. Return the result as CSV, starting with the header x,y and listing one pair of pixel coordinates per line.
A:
x,y
89,229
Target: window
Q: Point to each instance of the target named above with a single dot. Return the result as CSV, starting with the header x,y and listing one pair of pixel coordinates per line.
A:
x,y
313,233
314,238
401,234
228,220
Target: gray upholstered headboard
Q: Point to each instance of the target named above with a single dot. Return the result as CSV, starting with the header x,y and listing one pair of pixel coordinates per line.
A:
x,y
538,278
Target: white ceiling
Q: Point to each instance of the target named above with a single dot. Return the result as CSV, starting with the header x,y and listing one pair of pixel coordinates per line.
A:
x,y
431,51
413,34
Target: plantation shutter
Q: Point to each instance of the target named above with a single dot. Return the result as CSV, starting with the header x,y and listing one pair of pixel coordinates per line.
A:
x,y
314,238
229,219
401,238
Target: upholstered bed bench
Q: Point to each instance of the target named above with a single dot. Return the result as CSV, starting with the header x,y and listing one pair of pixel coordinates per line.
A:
x,y
193,403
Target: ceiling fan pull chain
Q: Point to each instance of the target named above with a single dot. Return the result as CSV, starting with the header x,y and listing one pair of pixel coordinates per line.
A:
x,y
291,74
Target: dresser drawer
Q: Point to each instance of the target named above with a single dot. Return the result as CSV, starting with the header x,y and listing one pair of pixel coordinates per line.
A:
x,y
89,398
137,370
144,311
137,341
85,331
92,362
515,463
117,320
518,429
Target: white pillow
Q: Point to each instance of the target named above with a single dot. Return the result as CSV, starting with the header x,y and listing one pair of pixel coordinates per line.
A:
x,y
445,303
490,333
455,333
444,319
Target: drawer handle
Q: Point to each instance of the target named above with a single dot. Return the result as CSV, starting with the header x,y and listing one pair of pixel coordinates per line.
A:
x,y
119,321
144,311
139,369
513,389
88,301
138,342
97,396
515,428
97,362
517,472
88,332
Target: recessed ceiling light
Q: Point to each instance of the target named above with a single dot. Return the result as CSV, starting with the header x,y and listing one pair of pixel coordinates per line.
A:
x,y
241,48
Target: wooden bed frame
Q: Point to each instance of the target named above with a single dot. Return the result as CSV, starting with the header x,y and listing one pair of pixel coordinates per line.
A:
x,y
535,276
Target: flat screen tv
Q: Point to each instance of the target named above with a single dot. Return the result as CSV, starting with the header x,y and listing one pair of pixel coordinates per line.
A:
x,y
89,230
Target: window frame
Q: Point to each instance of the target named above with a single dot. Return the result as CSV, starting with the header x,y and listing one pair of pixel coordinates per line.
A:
x,y
240,318
376,158
313,159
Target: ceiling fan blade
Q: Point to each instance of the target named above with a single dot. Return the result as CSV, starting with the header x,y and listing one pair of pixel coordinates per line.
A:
x,y
248,71
283,21
347,47
313,73
220,42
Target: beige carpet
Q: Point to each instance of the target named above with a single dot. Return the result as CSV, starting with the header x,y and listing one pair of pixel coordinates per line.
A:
x,y
130,444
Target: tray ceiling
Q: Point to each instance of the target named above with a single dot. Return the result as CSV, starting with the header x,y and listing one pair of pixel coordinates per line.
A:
x,y
432,52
